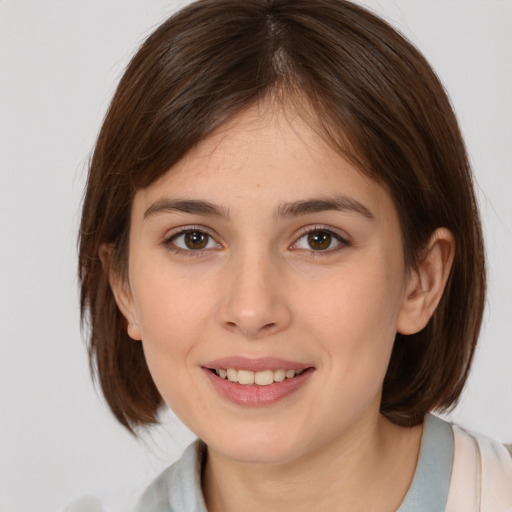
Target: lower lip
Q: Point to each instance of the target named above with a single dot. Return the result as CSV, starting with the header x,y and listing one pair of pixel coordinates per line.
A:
x,y
254,395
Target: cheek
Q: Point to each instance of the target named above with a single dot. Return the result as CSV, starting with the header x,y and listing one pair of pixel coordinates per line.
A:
x,y
172,316
355,324
172,313
363,302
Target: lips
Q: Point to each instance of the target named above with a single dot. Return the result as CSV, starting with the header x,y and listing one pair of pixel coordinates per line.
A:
x,y
256,382
255,365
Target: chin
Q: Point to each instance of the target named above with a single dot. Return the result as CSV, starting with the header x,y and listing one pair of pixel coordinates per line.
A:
x,y
258,456
272,449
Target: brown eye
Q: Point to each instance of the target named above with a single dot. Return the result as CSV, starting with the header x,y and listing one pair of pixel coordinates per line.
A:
x,y
192,240
319,240
195,240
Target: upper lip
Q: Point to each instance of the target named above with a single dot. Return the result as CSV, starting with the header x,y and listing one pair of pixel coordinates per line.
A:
x,y
256,364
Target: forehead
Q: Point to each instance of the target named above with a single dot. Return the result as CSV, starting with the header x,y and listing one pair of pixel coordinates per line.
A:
x,y
271,154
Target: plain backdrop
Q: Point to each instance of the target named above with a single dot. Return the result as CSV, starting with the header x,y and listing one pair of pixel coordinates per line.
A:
x,y
59,64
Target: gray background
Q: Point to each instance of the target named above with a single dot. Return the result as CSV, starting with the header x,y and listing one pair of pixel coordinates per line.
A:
x,y
59,63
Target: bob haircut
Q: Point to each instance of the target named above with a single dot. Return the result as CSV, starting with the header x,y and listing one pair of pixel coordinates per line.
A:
x,y
369,93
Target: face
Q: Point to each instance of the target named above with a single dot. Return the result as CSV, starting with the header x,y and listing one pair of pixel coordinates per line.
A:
x,y
263,252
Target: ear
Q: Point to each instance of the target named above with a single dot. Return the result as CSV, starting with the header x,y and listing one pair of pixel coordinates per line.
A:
x,y
426,284
121,290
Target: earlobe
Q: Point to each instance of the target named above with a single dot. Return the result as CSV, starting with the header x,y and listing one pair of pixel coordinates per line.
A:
x,y
426,284
121,290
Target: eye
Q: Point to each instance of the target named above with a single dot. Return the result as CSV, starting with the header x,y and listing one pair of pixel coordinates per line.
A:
x,y
320,240
192,240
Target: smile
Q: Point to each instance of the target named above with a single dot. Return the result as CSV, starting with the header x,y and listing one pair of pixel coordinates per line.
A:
x,y
258,387
259,378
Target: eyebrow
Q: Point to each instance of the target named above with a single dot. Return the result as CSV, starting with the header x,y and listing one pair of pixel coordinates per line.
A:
x,y
286,210
194,206
315,205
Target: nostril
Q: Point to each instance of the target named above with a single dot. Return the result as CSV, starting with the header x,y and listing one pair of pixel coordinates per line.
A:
x,y
253,322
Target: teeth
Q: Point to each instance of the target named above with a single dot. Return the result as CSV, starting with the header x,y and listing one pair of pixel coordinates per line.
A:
x,y
279,375
245,377
262,378
232,375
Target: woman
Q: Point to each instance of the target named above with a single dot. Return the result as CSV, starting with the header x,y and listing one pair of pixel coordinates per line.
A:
x,y
280,241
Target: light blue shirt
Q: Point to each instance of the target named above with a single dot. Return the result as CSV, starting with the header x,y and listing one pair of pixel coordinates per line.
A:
x,y
178,488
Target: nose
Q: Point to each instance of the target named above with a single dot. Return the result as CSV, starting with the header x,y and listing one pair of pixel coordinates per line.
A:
x,y
254,301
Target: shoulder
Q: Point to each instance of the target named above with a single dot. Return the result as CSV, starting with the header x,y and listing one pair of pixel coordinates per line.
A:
x,y
177,488
481,474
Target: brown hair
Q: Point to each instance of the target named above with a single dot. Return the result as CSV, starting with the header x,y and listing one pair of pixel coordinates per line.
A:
x,y
375,99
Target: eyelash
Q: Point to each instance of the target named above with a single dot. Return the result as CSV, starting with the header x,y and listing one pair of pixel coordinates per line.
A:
x,y
342,242
169,242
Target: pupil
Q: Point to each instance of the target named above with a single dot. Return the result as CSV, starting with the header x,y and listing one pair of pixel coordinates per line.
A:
x,y
196,240
319,240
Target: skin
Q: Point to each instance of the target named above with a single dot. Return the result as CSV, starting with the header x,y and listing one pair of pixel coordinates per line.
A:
x,y
259,288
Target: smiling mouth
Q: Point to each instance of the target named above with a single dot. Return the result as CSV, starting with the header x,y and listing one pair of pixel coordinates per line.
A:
x,y
259,378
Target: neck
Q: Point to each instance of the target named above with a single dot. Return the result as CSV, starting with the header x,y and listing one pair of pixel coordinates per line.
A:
x,y
368,469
